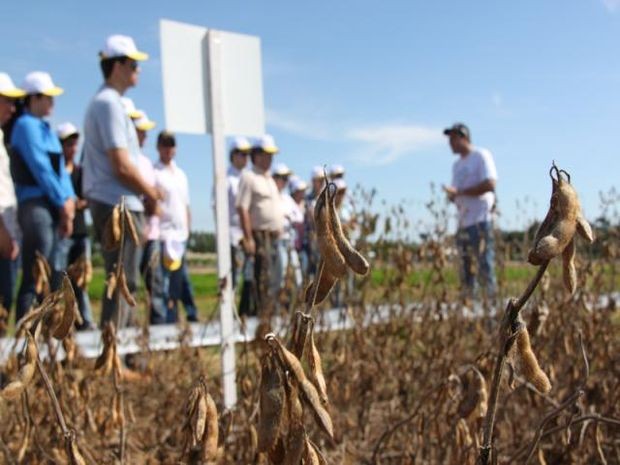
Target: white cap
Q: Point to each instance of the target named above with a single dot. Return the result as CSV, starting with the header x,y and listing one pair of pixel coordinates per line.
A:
x,y
297,184
66,130
280,169
340,184
266,144
241,144
336,170
121,46
317,172
8,89
143,122
130,108
39,82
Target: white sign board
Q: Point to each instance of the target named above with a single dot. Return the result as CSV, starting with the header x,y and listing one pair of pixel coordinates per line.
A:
x,y
185,64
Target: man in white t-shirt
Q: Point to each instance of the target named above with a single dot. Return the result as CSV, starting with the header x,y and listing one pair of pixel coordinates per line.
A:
x,y
473,191
174,227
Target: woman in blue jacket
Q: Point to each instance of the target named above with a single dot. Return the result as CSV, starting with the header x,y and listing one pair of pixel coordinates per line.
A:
x,y
45,196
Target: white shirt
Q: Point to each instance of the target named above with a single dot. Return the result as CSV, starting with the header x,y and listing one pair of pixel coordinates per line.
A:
x,y
468,171
145,165
291,214
8,201
173,222
233,176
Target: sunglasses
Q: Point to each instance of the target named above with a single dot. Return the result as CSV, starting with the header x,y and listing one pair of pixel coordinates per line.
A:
x,y
133,64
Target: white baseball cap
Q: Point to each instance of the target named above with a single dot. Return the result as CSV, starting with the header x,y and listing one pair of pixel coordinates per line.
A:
x,y
340,184
130,108
298,184
143,122
241,144
121,46
336,170
38,82
8,89
66,130
280,169
317,172
266,144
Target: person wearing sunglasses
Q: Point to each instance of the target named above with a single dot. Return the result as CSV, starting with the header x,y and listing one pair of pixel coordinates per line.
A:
x,y
45,196
110,164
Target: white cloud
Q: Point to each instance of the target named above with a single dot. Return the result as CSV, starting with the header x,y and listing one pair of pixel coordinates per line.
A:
x,y
302,128
611,5
385,144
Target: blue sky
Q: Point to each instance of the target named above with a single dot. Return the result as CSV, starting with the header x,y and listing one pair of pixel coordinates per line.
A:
x,y
371,84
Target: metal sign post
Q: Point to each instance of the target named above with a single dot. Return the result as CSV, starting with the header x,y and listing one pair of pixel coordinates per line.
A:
x,y
212,83
221,212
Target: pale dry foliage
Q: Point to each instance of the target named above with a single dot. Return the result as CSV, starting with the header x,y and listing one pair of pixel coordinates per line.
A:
x,y
413,390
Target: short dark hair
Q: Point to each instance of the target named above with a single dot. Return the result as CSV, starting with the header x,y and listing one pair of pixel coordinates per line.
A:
x,y
166,139
107,65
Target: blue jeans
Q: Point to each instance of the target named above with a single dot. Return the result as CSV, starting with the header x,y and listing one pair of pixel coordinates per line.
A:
x,y
153,274
69,251
477,241
178,287
38,220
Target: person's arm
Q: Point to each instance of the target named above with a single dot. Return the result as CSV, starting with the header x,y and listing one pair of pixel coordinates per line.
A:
x,y
244,198
246,226
129,174
31,146
488,185
8,247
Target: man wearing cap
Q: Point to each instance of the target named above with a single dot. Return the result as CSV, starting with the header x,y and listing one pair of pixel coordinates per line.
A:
x,y
76,250
45,196
174,228
473,191
9,231
239,151
336,172
110,164
261,216
287,255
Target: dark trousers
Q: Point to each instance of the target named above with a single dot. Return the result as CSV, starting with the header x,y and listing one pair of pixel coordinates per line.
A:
x,y
131,262
258,292
153,275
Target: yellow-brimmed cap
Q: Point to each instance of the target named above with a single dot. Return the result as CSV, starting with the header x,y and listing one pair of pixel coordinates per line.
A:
x,y
266,144
8,89
122,46
143,122
39,82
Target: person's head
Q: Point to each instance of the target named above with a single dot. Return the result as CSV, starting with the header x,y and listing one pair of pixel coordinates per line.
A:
x,y
119,62
336,172
262,152
166,146
143,124
69,137
280,174
298,190
239,151
317,177
40,92
8,94
459,138
341,190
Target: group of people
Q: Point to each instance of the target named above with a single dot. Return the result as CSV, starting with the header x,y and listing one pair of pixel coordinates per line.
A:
x,y
273,243
45,193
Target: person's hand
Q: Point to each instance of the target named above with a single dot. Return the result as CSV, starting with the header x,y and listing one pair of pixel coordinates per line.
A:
x,y
156,193
14,252
81,204
450,192
67,213
249,246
